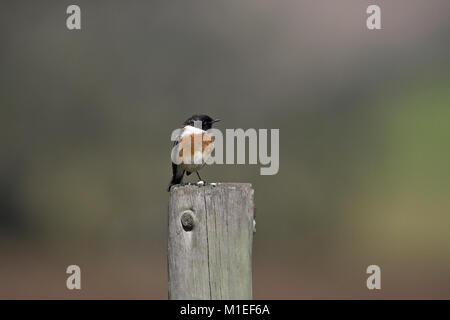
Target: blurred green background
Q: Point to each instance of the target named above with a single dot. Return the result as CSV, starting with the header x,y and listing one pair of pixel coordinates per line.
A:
x,y
364,119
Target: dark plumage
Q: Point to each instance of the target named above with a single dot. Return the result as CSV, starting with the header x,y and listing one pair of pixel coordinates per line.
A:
x,y
187,135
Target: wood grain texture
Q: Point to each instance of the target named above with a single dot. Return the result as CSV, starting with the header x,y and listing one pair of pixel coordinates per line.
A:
x,y
210,241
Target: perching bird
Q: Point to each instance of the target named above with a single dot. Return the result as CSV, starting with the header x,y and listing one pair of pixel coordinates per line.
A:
x,y
192,148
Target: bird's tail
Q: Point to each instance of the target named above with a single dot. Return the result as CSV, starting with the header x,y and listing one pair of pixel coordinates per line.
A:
x,y
174,181
177,176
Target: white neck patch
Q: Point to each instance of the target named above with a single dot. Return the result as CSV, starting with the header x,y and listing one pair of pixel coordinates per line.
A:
x,y
191,130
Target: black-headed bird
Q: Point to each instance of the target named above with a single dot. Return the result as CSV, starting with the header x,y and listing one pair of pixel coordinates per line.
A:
x,y
192,148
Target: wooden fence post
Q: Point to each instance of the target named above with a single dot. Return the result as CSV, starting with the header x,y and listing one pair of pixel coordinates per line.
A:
x,y
210,241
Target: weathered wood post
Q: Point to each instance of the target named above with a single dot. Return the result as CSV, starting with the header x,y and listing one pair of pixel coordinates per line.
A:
x,y
210,241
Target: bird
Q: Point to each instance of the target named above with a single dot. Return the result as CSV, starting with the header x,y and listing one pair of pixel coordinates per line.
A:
x,y
189,155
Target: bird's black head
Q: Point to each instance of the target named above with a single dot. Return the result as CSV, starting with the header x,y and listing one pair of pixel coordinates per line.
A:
x,y
206,121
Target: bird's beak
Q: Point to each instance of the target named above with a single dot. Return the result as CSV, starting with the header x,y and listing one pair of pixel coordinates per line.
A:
x,y
216,120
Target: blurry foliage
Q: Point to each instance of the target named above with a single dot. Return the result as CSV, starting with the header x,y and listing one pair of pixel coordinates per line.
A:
x,y
85,120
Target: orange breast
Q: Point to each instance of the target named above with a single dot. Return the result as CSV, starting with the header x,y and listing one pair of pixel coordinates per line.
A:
x,y
194,143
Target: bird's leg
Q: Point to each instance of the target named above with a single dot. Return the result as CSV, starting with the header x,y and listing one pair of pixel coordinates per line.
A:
x,y
200,182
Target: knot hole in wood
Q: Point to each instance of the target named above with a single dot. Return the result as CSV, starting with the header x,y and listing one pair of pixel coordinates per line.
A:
x,y
187,220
